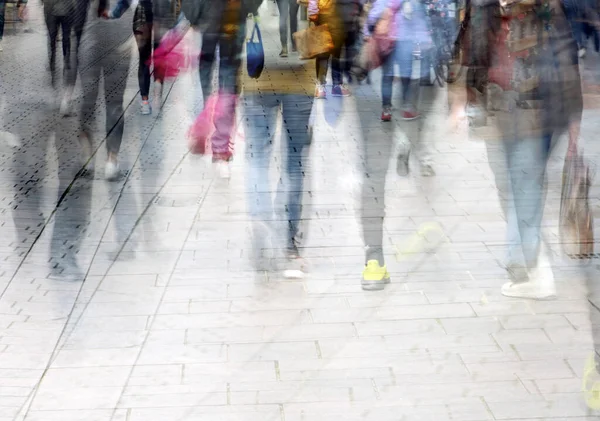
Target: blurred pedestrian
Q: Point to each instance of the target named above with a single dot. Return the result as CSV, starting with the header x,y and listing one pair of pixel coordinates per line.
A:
x,y
113,67
224,31
522,59
60,15
325,12
151,20
285,86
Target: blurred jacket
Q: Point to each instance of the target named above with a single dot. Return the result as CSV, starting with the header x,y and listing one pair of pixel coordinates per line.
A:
x,y
526,63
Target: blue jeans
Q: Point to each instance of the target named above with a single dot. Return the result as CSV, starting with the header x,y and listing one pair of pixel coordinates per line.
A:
x,y
403,57
519,168
260,115
574,14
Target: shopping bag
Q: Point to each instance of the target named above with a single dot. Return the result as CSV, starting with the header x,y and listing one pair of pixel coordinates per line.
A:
x,y
211,123
255,54
576,224
313,41
202,128
377,48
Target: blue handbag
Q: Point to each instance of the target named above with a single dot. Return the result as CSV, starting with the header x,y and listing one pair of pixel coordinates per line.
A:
x,y
255,54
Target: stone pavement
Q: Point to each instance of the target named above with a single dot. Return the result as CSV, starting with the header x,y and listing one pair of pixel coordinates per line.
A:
x,y
171,324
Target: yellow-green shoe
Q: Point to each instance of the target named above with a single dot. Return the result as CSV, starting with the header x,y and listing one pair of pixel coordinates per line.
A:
x,y
591,384
374,276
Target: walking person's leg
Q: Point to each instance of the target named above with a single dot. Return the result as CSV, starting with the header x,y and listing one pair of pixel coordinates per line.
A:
x,y
115,82
52,25
377,146
259,118
207,62
2,13
526,161
339,41
284,10
230,61
142,30
69,71
295,145
387,86
294,8
143,38
405,57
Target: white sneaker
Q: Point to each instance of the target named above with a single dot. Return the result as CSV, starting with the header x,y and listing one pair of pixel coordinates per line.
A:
x,y
1,49
582,52
539,287
223,170
145,108
111,171
158,93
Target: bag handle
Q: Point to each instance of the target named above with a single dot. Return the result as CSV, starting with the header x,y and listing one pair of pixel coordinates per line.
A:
x,y
256,31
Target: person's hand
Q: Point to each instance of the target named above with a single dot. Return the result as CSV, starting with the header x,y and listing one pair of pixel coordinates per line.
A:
x,y
104,14
313,18
256,18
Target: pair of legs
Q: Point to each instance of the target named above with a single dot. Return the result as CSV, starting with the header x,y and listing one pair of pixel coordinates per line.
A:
x,y
2,14
54,24
288,9
403,57
378,147
114,67
285,206
341,40
229,58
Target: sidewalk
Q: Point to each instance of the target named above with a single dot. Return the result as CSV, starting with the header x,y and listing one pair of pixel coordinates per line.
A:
x,y
171,324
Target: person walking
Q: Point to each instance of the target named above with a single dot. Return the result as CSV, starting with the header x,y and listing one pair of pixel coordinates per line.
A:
x,y
325,12
286,87
225,30
151,20
532,84
113,67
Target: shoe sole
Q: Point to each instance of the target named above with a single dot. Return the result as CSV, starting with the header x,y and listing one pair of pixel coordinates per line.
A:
x,y
373,285
548,297
411,118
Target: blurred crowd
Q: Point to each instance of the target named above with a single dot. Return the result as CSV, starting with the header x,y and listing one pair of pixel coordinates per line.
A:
x,y
511,64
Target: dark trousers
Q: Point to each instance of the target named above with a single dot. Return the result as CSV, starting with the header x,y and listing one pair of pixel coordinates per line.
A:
x,y
288,9
2,11
230,60
53,23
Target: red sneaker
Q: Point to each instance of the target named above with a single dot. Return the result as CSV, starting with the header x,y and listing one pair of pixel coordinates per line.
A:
x,y
386,114
410,115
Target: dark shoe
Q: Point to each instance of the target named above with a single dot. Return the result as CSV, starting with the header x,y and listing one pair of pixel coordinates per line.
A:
x,y
340,90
